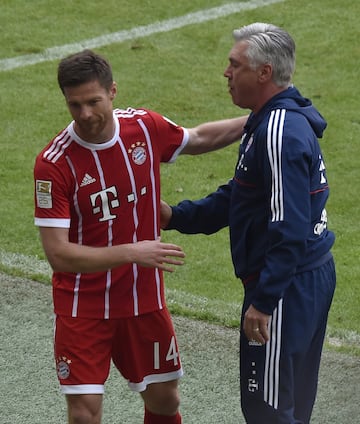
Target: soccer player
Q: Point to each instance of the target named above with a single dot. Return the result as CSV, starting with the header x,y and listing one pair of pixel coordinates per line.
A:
x,y
275,209
97,195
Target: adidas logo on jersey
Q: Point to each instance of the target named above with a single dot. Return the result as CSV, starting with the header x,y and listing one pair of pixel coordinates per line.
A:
x,y
88,179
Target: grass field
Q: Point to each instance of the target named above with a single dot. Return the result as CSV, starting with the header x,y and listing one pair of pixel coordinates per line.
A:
x,y
209,391
179,73
173,63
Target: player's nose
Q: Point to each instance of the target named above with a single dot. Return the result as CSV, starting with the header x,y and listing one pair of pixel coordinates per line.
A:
x,y
85,112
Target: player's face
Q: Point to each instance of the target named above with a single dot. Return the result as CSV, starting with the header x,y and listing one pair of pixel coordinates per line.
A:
x,y
242,79
91,107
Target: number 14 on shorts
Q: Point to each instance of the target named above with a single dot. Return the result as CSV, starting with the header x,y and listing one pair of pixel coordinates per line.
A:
x,y
172,354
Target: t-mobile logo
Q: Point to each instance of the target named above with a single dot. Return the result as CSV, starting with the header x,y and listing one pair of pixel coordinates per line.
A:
x,y
104,201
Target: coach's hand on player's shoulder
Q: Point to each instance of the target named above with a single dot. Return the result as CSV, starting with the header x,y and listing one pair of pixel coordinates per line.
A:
x,y
156,254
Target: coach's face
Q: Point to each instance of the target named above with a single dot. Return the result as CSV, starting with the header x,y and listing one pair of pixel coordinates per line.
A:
x,y
91,107
242,79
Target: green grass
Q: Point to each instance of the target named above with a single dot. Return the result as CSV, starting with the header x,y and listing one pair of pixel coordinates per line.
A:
x,y
179,74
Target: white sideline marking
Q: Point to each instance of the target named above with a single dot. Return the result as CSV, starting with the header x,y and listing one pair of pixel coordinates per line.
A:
x,y
58,52
31,265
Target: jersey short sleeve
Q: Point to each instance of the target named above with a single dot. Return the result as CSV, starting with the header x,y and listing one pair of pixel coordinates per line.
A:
x,y
51,194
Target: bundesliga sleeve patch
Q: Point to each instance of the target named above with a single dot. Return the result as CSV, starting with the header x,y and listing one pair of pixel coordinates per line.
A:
x,y
43,194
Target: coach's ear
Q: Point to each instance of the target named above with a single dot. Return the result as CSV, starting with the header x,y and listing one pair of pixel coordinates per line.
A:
x,y
265,72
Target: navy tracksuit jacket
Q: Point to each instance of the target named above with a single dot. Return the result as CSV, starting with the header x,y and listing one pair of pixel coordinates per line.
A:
x,y
280,245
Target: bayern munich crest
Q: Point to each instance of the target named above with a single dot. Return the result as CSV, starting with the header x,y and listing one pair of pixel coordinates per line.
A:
x,y
63,368
138,152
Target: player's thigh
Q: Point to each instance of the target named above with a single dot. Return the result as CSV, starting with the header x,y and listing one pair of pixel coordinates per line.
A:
x,y
146,350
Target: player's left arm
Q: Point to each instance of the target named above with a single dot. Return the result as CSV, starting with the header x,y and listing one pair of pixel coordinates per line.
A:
x,y
214,135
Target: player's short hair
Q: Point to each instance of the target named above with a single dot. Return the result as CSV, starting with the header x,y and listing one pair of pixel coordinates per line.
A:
x,y
83,67
269,44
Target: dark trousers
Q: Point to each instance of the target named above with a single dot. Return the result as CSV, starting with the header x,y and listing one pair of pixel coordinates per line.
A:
x,y
279,380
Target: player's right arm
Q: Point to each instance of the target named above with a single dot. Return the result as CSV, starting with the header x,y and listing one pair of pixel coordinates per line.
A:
x,y
65,256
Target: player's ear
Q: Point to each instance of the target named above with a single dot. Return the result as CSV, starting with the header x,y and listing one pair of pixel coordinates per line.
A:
x,y
113,90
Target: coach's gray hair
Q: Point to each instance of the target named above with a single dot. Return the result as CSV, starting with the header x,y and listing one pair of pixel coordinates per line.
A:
x,y
269,44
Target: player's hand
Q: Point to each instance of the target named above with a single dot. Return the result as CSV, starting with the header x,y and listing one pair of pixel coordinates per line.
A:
x,y
156,254
165,214
256,325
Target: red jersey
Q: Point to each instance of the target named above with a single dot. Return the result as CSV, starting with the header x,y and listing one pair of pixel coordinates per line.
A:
x,y
107,194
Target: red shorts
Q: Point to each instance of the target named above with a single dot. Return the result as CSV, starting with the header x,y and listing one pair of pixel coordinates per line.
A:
x,y
143,348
